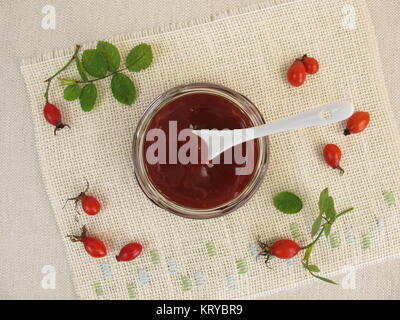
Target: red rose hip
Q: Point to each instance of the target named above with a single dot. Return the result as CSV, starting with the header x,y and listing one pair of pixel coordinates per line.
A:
x,y
93,246
129,252
297,74
53,116
90,204
332,156
311,64
357,123
284,249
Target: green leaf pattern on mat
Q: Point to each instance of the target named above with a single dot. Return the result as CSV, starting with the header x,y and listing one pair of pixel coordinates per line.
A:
x,y
295,230
155,257
186,283
334,240
131,290
211,251
98,289
241,265
389,198
365,241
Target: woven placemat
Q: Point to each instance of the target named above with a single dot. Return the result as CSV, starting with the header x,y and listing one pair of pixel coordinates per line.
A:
x,y
248,50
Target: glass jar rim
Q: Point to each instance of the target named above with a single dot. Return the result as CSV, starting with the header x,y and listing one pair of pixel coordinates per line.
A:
x,y
140,171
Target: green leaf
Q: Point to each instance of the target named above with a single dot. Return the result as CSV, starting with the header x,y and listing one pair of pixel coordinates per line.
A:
x,y
327,229
67,82
95,63
287,202
111,53
72,92
123,89
323,279
316,226
139,58
308,253
330,210
80,68
88,97
312,268
323,198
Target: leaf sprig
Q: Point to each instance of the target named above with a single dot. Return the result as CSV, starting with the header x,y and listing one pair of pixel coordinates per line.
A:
x,y
289,203
322,225
103,62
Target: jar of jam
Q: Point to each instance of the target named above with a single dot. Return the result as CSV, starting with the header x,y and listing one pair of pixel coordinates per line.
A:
x,y
198,189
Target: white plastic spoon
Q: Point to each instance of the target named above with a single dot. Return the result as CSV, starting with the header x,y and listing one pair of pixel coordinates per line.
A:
x,y
219,141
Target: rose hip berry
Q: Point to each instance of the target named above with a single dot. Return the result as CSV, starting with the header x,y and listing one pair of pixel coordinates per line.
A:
x,y
129,252
285,249
297,73
53,116
93,246
90,205
332,156
311,64
282,249
357,123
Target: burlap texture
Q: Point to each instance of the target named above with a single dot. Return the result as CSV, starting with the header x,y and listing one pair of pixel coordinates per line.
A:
x,y
248,51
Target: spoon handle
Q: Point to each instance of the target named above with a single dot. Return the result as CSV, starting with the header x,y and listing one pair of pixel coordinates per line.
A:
x,y
327,114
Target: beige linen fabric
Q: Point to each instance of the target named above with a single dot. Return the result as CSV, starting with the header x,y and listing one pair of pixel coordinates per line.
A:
x,y
215,258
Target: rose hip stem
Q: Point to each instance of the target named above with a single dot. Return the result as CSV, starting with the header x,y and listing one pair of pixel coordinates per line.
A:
x,y
76,199
90,204
46,94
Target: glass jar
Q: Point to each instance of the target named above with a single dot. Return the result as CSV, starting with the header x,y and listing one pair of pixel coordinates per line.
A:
x,y
142,175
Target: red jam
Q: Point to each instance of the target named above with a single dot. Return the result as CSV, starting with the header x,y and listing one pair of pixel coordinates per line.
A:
x,y
200,186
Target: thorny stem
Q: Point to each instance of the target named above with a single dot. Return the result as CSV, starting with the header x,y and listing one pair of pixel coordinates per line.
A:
x,y
46,94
